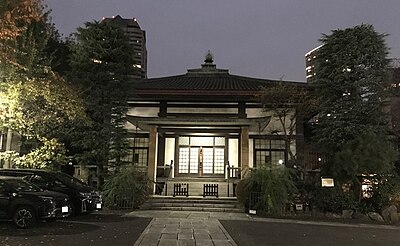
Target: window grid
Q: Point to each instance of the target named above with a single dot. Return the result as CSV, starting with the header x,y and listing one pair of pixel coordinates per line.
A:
x,y
269,152
139,142
219,161
140,157
278,157
183,160
219,141
194,160
213,153
208,157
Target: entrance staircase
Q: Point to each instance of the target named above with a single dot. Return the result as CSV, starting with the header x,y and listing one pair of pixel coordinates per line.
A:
x,y
196,203
194,194
195,186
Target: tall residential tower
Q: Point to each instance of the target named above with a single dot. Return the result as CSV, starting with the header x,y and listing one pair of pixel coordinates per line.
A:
x,y
311,57
137,37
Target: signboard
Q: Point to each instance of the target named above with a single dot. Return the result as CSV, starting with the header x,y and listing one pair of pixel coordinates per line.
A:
x,y
327,182
299,207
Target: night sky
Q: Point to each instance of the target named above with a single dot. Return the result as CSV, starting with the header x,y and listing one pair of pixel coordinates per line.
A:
x,y
255,38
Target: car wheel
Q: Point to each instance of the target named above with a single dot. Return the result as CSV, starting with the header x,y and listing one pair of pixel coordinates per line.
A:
x,y
24,217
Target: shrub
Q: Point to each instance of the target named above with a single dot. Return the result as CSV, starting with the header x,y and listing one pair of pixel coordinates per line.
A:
x,y
332,199
385,193
275,186
127,186
243,193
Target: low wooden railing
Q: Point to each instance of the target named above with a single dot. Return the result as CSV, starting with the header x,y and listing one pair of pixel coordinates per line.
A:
x,y
234,172
181,189
210,190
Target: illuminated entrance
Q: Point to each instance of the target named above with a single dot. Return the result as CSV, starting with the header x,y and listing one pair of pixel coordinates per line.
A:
x,y
201,156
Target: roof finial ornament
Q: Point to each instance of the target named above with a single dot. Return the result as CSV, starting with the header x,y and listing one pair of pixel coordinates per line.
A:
x,y
209,59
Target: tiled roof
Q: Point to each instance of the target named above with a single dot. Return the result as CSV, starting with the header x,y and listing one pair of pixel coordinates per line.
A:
x,y
206,82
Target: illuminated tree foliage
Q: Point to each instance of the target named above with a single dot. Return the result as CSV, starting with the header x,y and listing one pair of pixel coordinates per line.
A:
x,y
15,17
352,82
35,102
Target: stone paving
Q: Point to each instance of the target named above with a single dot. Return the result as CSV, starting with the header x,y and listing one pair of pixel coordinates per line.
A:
x,y
186,228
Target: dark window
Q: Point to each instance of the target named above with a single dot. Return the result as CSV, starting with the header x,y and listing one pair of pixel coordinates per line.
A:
x,y
39,181
269,152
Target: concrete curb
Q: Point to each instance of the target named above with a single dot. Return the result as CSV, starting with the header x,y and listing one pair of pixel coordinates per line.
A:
x,y
227,234
139,240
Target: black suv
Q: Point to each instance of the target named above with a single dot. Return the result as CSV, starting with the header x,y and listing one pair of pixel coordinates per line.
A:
x,y
25,203
84,198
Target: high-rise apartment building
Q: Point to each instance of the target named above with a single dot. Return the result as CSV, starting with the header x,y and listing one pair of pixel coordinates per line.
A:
x,y
137,37
311,58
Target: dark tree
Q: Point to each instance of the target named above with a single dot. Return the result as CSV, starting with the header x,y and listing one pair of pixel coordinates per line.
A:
x,y
101,64
352,82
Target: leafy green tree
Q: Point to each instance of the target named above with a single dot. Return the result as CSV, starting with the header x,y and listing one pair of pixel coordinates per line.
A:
x,y
15,17
351,75
102,65
58,51
366,154
50,155
35,101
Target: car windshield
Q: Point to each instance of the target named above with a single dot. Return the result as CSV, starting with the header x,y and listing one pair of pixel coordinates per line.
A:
x,y
22,185
69,180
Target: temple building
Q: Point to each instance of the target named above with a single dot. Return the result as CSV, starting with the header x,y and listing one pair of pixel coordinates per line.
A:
x,y
205,126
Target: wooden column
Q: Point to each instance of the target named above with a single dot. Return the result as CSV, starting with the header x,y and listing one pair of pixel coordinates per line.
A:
x,y
244,150
152,165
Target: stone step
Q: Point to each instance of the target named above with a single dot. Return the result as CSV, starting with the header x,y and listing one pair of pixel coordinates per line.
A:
x,y
204,205
203,209
192,201
209,204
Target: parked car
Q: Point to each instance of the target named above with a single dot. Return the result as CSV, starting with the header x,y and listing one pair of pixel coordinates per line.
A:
x,y
25,203
84,199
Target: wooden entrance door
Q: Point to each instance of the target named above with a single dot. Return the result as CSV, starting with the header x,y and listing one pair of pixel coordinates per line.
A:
x,y
201,161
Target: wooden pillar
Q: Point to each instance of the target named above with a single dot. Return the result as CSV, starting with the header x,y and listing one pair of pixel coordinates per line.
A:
x,y
152,165
244,150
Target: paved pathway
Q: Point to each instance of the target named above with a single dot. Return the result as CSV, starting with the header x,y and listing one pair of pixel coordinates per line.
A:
x,y
185,228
